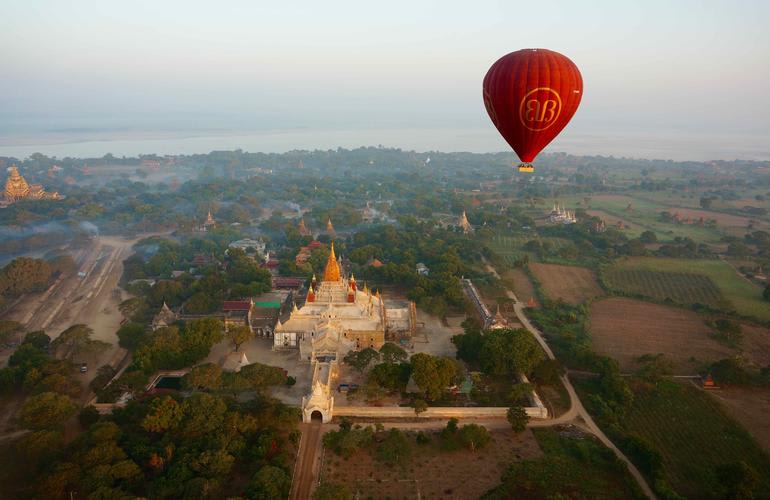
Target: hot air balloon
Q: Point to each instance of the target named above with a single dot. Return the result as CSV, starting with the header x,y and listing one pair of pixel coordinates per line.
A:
x,y
531,95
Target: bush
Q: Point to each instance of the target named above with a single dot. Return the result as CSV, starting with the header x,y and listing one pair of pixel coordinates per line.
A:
x,y
423,438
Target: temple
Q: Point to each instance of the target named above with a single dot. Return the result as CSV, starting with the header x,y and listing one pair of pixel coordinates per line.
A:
x,y
463,224
17,189
338,317
303,230
559,215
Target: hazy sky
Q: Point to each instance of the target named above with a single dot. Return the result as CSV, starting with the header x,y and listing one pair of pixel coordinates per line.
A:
x,y
685,67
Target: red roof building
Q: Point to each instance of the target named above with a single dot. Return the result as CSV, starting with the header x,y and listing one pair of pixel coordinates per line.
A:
x,y
237,305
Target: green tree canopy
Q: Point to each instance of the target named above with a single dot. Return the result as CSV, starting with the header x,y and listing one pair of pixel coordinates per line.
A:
x,y
46,411
434,374
510,352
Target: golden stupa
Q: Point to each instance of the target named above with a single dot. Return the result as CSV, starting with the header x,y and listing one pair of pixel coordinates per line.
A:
x,y
17,188
332,271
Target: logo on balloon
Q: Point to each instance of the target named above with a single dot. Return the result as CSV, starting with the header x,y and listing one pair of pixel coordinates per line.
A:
x,y
540,108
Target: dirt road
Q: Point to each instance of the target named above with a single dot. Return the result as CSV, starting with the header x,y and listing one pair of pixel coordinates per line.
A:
x,y
308,462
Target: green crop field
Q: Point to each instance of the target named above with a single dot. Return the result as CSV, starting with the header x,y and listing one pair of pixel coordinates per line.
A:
x,y
694,436
682,288
744,297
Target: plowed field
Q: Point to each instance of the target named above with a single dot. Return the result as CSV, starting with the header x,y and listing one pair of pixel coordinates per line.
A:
x,y
572,284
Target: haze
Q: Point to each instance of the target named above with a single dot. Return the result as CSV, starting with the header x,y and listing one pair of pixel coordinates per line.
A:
x,y
82,71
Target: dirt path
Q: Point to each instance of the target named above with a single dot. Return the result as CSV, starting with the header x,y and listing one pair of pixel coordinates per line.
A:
x,y
306,468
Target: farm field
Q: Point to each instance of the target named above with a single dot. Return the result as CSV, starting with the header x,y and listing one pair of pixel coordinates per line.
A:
x,y
750,406
681,288
633,231
625,329
432,473
745,297
572,284
694,436
522,285
509,248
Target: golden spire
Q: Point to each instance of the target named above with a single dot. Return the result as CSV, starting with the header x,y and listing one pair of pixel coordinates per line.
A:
x,y
332,271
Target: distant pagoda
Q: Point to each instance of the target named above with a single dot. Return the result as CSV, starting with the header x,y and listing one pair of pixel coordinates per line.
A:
x,y
464,224
330,228
303,230
17,189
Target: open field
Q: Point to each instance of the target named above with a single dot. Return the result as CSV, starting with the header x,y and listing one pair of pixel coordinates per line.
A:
x,y
745,297
633,231
626,329
646,213
750,406
756,344
522,285
572,284
432,473
694,436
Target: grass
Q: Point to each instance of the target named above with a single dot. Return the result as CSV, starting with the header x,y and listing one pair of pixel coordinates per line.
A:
x,y
745,297
694,436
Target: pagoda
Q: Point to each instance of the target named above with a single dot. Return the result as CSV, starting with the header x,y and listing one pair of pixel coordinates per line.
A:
x,y
330,227
303,230
17,188
332,271
464,224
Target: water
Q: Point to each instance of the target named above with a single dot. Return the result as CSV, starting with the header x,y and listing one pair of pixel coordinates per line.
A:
x,y
661,145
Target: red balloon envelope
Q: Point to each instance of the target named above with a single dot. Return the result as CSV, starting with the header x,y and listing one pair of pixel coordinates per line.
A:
x,y
530,96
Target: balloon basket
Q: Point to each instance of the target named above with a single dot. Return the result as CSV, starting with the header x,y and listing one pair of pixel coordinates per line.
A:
x,y
526,167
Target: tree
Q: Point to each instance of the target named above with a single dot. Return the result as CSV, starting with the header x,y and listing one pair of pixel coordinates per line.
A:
x,y
164,414
433,374
766,293
131,335
261,376
47,410
238,335
361,359
8,328
395,449
38,339
332,491
474,436
469,345
419,406
509,352
391,353
207,377
518,418
269,483
648,237
77,340
88,416
737,480
24,274
706,202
